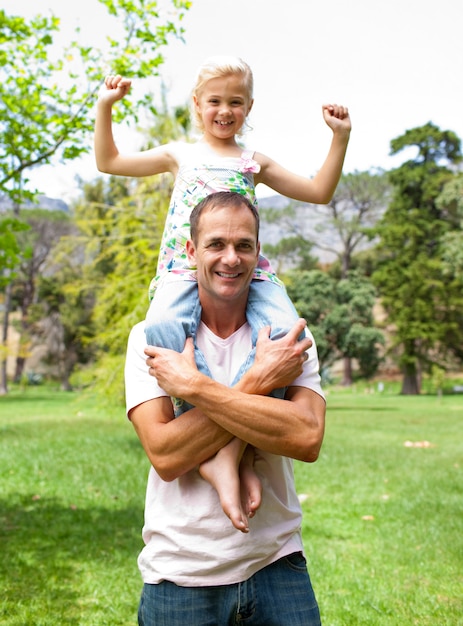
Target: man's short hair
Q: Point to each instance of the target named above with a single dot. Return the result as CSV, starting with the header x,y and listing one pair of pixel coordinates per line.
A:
x,y
220,199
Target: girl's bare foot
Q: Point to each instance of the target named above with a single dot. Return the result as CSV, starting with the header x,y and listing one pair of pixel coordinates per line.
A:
x,y
250,485
223,476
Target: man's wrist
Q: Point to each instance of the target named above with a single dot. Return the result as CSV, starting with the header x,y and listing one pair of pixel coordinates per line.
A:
x,y
252,383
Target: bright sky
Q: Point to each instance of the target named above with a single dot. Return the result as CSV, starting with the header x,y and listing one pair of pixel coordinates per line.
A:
x,y
396,64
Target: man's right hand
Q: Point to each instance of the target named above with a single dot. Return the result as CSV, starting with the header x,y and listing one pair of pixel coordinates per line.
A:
x,y
176,372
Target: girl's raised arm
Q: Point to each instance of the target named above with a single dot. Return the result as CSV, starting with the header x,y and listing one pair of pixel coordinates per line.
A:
x,y
320,188
108,158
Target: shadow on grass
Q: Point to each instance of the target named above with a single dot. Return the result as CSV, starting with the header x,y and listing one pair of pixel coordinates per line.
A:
x,y
51,555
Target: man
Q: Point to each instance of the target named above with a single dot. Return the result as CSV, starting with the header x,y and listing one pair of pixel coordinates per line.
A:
x,y
197,569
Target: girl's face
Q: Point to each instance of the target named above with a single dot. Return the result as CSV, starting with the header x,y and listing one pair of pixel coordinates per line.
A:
x,y
223,105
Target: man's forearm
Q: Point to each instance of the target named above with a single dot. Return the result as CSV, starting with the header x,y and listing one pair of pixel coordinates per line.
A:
x,y
292,427
193,437
174,446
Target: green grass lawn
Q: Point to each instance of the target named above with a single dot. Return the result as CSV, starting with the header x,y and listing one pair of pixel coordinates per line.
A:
x,y
71,511
383,521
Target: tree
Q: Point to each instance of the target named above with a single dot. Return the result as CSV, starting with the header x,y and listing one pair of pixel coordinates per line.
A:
x,y
293,251
339,313
338,228
358,203
450,202
62,320
122,254
46,95
45,230
9,257
120,222
9,247
359,200
420,299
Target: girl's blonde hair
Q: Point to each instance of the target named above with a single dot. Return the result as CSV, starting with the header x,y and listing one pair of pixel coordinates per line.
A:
x,y
218,67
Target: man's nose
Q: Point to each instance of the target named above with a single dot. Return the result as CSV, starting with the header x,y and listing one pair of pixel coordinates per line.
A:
x,y
231,257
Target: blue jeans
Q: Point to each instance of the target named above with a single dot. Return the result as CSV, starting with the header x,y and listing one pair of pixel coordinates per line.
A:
x,y
280,594
175,313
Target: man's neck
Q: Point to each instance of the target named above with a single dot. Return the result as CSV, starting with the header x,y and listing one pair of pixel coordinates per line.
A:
x,y
223,322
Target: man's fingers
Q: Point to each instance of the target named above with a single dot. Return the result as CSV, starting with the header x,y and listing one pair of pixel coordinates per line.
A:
x,y
264,333
297,329
189,347
292,336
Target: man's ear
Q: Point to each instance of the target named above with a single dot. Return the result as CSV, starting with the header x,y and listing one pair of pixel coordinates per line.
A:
x,y
191,252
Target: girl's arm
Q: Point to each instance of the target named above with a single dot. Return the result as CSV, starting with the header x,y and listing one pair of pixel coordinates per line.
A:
x,y
320,188
108,159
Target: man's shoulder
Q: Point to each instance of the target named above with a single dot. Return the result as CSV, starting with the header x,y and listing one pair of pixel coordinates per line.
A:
x,y
139,385
137,332
136,345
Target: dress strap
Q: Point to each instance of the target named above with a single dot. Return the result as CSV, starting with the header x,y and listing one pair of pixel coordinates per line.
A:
x,y
247,154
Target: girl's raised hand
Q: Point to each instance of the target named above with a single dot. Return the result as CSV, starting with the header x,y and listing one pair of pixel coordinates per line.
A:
x,y
114,88
337,117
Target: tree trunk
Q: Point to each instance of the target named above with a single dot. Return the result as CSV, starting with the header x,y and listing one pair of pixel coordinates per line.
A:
x,y
347,375
65,384
411,369
345,263
27,300
20,364
6,319
411,384
67,366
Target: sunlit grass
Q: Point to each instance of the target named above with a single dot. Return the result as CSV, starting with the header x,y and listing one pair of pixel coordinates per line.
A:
x,y
383,521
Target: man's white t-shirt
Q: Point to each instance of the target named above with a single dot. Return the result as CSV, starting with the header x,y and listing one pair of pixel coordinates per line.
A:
x,y
188,538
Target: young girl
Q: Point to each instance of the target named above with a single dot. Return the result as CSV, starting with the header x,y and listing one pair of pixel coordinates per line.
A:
x,y
222,99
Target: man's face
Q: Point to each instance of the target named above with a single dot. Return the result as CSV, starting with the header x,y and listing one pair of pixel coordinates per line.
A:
x,y
225,254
